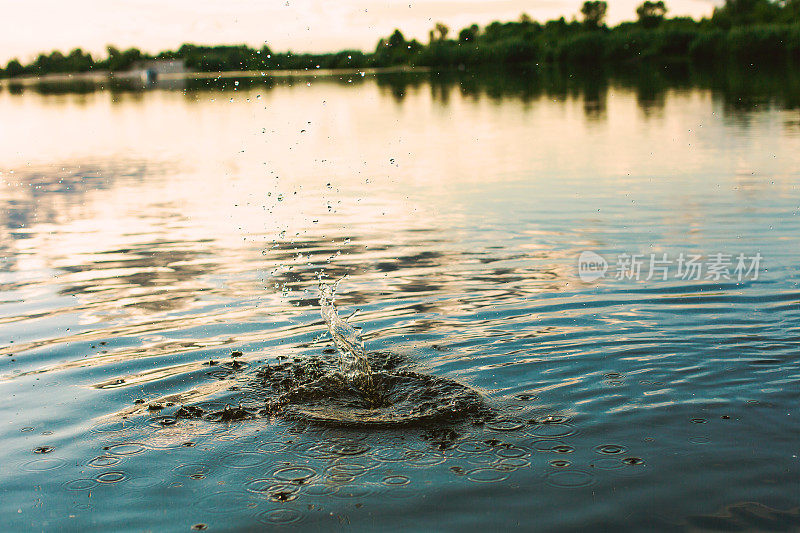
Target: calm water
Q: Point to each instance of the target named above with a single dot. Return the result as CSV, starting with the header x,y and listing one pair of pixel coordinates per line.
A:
x,y
143,233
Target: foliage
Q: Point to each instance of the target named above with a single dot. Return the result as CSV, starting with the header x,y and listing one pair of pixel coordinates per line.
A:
x,y
651,13
594,11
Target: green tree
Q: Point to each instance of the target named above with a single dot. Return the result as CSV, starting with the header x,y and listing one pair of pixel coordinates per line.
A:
x,y
396,39
442,30
790,12
395,50
594,12
469,34
122,60
746,12
14,68
651,13
78,61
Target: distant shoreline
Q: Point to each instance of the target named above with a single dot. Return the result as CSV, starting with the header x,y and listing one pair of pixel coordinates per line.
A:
x,y
757,32
105,76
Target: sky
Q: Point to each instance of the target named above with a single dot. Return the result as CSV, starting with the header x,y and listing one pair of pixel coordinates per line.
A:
x,y
31,26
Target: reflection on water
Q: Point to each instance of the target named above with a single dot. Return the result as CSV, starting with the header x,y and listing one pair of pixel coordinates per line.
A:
x,y
148,235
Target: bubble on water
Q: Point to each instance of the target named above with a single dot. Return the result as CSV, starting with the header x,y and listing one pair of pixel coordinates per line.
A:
x,y
44,465
111,477
352,491
361,463
280,516
342,448
243,459
272,447
563,448
553,430
143,482
396,454
505,424
484,458
526,397
112,427
259,486
610,449
633,461
555,419
192,469
487,475
395,480
125,448
282,492
175,437
297,474
80,484
570,479
346,470
608,463
226,502
103,461
43,449
339,478
560,463
546,445
509,450
428,460
319,490
511,463
472,446
303,449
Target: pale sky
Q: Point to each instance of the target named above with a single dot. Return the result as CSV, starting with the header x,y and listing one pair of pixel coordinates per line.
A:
x,y
31,26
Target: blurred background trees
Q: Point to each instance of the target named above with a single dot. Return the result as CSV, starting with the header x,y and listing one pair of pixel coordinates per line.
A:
x,y
744,31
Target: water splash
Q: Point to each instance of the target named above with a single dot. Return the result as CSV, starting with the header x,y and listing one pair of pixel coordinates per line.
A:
x,y
352,357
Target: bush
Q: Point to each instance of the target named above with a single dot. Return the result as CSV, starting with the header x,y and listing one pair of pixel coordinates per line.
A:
x,y
626,47
673,42
758,44
708,46
583,48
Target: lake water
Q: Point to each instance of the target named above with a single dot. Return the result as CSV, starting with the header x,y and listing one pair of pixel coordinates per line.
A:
x,y
146,232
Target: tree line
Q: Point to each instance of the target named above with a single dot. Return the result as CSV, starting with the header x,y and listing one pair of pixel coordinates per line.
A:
x,y
743,31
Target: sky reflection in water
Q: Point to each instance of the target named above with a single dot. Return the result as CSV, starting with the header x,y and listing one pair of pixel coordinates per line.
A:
x,y
146,232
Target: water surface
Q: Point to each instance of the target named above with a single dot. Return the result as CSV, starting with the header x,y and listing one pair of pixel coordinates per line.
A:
x,y
146,232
